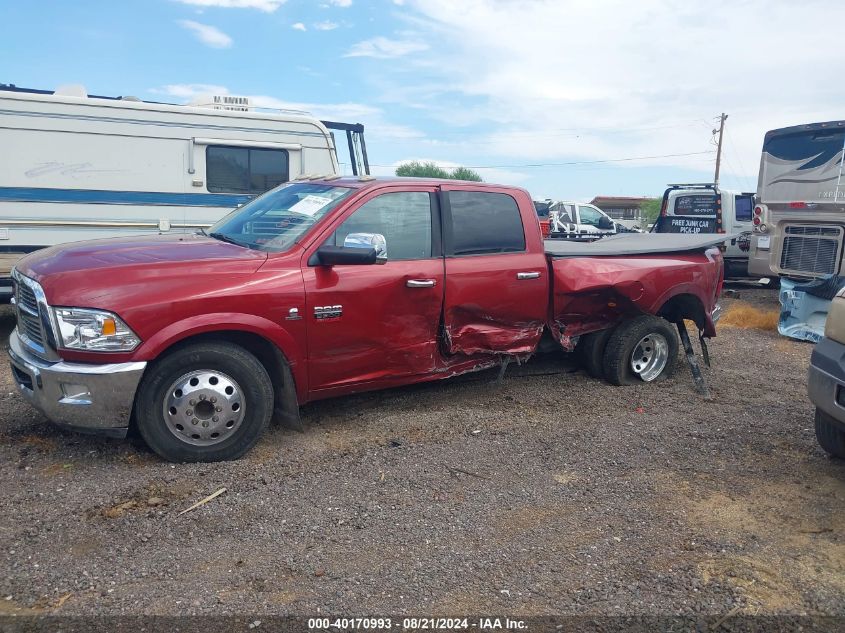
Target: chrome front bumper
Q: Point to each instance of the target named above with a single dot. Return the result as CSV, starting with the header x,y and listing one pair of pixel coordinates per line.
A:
x,y
80,395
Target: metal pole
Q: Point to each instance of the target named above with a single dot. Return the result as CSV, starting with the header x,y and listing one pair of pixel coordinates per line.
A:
x,y
719,147
352,155
364,153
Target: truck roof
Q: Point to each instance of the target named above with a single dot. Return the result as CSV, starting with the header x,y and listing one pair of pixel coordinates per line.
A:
x,y
365,182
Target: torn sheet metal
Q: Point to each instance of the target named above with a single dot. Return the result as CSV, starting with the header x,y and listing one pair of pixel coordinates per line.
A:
x,y
472,336
804,306
591,294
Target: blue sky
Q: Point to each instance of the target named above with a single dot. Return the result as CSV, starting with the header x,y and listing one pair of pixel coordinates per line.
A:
x,y
568,98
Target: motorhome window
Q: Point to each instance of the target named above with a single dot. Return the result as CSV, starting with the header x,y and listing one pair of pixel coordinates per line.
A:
x,y
744,208
485,223
245,169
274,221
404,218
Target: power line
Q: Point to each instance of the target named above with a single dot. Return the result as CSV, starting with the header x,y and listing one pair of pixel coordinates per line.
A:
x,y
577,162
736,153
470,137
456,137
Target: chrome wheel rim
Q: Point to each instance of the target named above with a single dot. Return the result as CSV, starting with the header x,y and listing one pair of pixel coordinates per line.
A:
x,y
204,407
650,355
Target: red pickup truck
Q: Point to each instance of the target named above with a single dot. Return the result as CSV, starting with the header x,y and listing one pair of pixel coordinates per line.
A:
x,y
331,286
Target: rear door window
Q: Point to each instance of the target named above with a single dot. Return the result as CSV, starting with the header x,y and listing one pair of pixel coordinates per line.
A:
x,y
690,213
699,204
485,223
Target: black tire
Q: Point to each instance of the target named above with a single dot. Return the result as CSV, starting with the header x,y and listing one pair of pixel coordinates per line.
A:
x,y
830,435
623,341
591,351
232,361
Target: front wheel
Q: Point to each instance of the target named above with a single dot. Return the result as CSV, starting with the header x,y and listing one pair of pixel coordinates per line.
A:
x,y
642,349
205,403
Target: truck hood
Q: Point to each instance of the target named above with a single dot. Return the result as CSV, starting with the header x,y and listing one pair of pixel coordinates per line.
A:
x,y
83,273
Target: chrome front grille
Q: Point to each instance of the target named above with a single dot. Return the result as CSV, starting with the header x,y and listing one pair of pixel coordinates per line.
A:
x,y
29,313
26,299
811,250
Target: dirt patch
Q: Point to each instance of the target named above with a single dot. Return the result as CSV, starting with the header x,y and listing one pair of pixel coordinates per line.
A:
x,y
155,496
582,498
743,315
776,537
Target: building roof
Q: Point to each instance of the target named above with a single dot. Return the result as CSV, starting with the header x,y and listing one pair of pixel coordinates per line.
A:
x,y
613,201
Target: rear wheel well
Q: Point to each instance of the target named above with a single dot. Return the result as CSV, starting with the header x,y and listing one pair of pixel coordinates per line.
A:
x,y
684,307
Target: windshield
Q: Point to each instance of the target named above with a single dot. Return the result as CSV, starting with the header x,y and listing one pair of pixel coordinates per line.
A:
x,y
803,166
274,221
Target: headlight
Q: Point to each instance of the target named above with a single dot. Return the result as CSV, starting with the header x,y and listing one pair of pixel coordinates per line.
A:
x,y
93,331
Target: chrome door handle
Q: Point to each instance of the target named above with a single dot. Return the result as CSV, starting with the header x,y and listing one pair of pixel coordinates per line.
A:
x,y
531,275
420,283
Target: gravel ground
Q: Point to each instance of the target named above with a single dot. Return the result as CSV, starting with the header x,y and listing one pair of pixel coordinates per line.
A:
x,y
549,493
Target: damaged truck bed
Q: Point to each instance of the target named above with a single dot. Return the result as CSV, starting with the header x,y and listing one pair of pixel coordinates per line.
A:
x,y
326,287
596,285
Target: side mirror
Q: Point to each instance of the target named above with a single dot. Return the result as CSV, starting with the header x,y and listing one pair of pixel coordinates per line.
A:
x,y
358,249
375,241
605,223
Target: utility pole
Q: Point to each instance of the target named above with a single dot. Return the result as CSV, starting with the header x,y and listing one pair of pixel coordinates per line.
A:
x,y
722,120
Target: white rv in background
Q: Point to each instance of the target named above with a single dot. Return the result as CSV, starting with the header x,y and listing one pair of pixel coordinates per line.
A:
x,y
77,167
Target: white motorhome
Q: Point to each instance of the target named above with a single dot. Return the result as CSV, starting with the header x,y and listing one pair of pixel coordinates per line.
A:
x,y
77,167
799,221
706,208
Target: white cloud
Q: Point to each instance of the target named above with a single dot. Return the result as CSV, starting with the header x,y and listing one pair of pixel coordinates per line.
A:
x,y
384,48
188,91
326,26
207,34
268,6
298,26
377,127
341,3
628,79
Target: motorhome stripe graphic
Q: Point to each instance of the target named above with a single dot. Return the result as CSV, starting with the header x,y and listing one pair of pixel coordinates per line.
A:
x,y
95,196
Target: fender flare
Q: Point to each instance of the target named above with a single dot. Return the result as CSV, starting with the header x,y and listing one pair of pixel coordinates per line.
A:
x,y
184,329
690,289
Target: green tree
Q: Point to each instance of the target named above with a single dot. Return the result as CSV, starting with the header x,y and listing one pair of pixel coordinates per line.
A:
x,y
650,209
416,169
465,173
